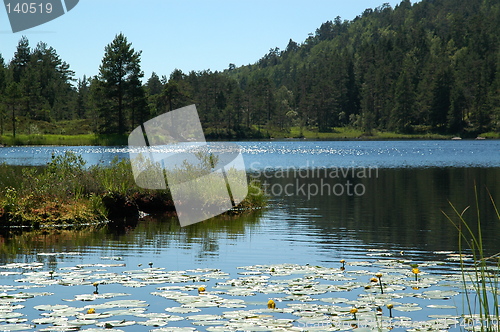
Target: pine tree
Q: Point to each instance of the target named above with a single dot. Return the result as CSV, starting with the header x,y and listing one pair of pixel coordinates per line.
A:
x,y
404,99
120,75
3,86
21,59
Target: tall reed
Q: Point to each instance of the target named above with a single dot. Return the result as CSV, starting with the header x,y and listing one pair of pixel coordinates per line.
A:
x,y
481,277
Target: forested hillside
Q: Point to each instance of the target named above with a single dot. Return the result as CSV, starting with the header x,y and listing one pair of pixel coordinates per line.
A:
x,y
433,66
430,67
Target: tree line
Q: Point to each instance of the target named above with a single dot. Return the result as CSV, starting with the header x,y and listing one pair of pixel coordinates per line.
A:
x,y
432,66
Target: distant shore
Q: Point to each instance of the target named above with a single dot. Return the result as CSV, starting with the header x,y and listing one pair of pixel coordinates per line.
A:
x,y
117,140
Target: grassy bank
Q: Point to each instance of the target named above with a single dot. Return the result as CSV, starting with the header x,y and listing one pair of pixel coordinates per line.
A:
x,y
491,135
65,140
66,192
346,133
108,140
81,132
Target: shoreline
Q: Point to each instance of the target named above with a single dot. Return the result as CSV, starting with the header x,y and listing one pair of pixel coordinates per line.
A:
x,y
85,140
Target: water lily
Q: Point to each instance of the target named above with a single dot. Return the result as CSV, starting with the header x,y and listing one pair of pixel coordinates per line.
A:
x,y
91,311
342,261
390,306
416,271
201,290
271,304
353,311
379,276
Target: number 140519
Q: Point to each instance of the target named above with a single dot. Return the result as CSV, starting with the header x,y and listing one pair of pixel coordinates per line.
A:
x,y
29,8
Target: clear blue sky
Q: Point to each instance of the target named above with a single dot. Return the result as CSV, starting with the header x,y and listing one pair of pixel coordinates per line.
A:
x,y
184,34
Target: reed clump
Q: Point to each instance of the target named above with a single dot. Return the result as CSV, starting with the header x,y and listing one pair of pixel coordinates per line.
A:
x,y
480,276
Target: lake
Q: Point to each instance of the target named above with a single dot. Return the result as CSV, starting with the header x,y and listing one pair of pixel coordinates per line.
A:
x,y
376,204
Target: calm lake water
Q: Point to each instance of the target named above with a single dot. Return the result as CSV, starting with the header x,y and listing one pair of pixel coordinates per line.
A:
x,y
358,201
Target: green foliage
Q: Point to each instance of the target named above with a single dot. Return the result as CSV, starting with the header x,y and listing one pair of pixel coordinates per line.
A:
x,y
433,64
119,83
10,200
116,178
65,191
255,197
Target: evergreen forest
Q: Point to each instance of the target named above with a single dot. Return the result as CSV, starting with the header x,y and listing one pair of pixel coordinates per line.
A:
x,y
428,67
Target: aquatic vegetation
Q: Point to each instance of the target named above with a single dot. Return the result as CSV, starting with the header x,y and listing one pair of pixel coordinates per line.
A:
x,y
390,306
480,272
415,271
354,311
379,276
277,297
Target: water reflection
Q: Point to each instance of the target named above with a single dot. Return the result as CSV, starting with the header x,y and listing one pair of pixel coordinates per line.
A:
x,y
400,211
151,235
401,208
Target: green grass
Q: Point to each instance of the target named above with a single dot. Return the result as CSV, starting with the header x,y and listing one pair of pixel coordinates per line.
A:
x,y
348,133
492,135
65,191
63,140
67,132
481,277
81,132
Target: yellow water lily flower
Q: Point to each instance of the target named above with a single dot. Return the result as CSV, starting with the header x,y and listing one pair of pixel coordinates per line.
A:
x,y
353,311
91,311
379,276
390,306
416,271
271,304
